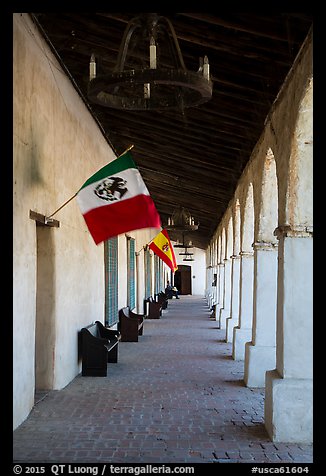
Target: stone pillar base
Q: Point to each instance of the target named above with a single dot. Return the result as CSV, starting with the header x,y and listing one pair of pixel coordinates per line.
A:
x,y
224,316
230,325
258,360
288,409
240,337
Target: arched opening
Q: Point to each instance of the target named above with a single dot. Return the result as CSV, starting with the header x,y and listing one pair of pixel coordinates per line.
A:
x,y
247,235
233,320
242,333
260,353
225,312
299,207
268,216
220,289
237,228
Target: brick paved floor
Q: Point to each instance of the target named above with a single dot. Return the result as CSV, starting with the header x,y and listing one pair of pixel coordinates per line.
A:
x,y
176,396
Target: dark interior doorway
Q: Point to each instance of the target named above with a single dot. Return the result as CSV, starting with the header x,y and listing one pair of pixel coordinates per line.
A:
x,y
45,306
182,279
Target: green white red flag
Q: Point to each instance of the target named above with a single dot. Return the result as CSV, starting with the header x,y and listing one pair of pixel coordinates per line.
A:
x,y
115,200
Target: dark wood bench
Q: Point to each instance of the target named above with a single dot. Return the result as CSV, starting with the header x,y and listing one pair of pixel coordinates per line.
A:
x,y
99,346
162,298
131,325
153,308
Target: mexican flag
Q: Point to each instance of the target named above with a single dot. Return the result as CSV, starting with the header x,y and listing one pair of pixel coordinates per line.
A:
x,y
115,200
162,246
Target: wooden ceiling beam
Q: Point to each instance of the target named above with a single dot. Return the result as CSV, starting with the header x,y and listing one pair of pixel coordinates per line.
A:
x,y
259,30
197,133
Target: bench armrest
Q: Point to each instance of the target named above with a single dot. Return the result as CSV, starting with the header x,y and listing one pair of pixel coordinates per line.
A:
x,y
134,315
108,333
95,340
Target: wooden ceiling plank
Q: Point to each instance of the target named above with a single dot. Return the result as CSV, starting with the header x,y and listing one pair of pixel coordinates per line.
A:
x,y
259,30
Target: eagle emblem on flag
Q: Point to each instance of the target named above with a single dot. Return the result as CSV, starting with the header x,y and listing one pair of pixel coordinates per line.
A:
x,y
110,187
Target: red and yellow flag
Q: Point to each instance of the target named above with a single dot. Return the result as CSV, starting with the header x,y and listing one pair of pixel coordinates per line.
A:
x,y
162,246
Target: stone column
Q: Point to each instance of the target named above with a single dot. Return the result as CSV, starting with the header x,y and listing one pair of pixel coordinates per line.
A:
x,y
242,333
213,293
289,388
233,320
215,288
260,353
220,290
225,312
209,291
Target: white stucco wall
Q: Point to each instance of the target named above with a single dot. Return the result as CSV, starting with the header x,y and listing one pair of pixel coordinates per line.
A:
x,y
58,272
57,146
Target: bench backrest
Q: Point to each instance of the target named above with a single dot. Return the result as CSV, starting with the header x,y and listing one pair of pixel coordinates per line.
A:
x,y
93,329
125,311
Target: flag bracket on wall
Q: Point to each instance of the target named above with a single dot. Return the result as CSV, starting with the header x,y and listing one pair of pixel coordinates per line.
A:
x,y
42,220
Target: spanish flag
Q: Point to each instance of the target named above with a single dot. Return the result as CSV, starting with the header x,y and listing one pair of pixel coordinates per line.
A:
x,y
162,246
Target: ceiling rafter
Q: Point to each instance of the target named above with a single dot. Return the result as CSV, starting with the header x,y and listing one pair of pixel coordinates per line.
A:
x,y
190,157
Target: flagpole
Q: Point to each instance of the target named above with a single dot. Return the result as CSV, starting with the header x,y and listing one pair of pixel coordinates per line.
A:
x,y
66,203
69,199
127,150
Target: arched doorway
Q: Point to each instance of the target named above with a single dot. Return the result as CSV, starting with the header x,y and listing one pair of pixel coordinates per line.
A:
x,y
182,279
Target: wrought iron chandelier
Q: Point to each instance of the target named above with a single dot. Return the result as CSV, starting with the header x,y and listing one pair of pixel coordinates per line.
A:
x,y
150,72
187,256
184,244
181,220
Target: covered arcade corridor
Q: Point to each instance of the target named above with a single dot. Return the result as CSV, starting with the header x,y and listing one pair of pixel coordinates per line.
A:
x,y
227,373
176,396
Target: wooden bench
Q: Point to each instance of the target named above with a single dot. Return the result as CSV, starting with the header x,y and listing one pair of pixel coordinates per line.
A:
x,y
153,308
99,346
162,298
131,325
